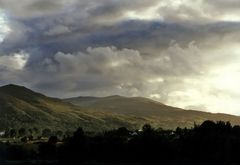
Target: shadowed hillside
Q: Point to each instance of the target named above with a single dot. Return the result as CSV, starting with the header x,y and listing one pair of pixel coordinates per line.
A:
x,y
21,107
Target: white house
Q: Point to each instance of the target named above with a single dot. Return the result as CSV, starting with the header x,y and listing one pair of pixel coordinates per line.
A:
x,y
2,133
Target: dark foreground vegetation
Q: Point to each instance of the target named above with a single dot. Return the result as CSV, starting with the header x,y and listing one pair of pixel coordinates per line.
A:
x,y
208,143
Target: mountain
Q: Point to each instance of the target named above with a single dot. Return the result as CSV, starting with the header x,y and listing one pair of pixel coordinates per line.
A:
x,y
137,106
154,112
22,107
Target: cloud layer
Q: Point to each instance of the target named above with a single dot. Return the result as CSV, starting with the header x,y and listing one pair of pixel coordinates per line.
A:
x,y
183,53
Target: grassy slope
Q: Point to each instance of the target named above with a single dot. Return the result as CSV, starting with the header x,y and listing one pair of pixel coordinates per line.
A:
x,y
156,113
21,107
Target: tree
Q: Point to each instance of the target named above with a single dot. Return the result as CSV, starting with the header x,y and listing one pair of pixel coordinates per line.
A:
x,y
30,131
24,139
59,133
53,140
12,133
22,132
148,130
79,134
35,131
46,132
123,131
147,127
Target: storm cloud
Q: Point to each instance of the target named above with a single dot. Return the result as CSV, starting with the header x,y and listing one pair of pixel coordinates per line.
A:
x,y
183,53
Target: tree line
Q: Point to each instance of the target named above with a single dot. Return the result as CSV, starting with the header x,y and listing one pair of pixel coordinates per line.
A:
x,y
32,133
211,143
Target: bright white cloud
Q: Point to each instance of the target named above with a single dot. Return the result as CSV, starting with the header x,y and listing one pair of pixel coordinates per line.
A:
x,y
197,11
4,28
215,89
16,61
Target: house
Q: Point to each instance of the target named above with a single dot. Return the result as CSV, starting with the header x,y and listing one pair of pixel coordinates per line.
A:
x,y
2,133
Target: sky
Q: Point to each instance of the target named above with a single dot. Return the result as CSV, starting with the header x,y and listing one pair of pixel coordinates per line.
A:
x,y
183,53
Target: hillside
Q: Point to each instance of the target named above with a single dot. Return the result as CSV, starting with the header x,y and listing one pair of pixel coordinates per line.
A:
x,y
21,107
156,113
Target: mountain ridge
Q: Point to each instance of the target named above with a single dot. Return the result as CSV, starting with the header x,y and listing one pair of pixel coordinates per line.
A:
x,y
167,116
22,107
